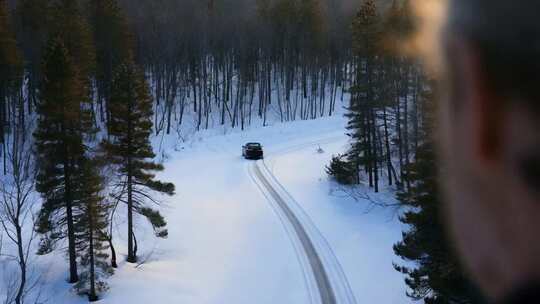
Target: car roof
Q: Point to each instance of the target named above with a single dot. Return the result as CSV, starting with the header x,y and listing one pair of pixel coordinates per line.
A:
x,y
253,144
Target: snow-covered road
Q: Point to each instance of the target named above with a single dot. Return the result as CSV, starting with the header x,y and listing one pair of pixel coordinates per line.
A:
x,y
325,278
325,292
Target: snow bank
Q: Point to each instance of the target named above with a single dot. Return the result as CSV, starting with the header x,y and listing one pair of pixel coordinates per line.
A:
x,y
361,236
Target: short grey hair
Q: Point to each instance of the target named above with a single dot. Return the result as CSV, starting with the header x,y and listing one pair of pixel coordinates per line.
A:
x,y
506,34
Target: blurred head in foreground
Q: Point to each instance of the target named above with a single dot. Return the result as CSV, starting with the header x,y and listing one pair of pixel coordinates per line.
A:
x,y
490,123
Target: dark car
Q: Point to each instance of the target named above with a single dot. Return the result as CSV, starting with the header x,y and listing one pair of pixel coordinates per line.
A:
x,y
252,151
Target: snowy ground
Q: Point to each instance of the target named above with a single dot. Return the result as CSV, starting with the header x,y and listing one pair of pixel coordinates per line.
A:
x,y
360,236
226,244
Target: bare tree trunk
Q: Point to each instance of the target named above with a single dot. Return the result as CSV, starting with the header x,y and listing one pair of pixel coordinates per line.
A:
x,y
132,257
92,297
73,275
22,262
387,146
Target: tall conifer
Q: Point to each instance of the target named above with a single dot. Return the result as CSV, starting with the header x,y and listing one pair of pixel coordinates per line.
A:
x,y
437,277
61,125
365,94
130,150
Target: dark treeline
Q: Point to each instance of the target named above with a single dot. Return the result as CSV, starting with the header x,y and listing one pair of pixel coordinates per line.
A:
x,y
241,59
214,61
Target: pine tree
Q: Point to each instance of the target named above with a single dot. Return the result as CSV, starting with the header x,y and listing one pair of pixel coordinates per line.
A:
x,y
365,95
437,277
62,124
91,224
113,44
341,170
129,149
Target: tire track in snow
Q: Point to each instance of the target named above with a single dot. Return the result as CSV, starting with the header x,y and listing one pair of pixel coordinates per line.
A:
x,y
326,271
326,291
298,249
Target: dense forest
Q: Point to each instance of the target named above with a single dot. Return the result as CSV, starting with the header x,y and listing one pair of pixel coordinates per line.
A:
x,y
390,125
84,85
229,62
